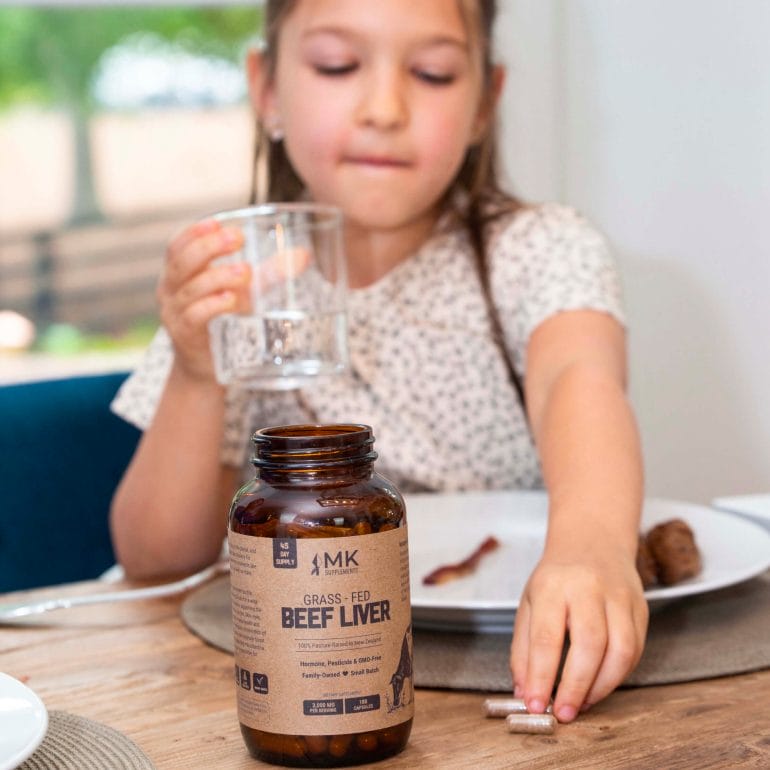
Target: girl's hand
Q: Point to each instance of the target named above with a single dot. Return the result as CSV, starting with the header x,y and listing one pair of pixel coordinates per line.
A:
x,y
594,593
192,291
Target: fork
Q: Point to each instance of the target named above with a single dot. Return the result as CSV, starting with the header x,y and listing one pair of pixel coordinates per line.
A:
x,y
10,612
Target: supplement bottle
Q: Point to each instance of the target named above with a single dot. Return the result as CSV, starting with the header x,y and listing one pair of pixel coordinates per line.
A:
x,y
319,576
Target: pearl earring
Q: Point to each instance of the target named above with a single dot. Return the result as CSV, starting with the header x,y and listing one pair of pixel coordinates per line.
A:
x,y
275,131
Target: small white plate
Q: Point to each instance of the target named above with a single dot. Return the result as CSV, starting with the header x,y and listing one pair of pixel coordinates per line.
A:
x,y
23,722
445,528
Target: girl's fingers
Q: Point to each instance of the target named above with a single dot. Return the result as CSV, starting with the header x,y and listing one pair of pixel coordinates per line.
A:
x,y
520,648
193,291
190,255
235,277
586,656
199,313
186,236
189,330
624,649
641,619
195,253
546,639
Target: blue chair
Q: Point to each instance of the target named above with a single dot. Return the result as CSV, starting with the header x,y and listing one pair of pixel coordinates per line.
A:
x,y
62,453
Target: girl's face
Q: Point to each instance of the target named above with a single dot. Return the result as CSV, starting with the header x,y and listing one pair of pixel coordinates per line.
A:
x,y
378,101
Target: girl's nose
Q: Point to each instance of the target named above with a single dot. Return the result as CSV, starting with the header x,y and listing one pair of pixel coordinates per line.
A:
x,y
383,102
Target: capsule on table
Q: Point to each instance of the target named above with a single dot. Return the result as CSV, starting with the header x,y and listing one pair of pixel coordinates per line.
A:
x,y
497,708
530,723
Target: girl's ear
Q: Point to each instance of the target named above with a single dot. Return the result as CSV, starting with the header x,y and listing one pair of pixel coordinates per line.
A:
x,y
489,101
260,90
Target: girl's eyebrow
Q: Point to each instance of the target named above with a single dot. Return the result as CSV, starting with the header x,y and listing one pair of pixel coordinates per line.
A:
x,y
432,41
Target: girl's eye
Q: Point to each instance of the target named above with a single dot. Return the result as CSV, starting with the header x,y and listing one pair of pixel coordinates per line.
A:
x,y
335,70
434,78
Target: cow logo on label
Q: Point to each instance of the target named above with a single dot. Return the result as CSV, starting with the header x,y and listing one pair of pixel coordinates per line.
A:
x,y
402,696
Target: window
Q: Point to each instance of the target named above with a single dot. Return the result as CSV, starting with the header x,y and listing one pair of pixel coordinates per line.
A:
x,y
118,125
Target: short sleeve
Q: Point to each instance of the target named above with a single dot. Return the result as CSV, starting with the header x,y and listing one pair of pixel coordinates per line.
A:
x,y
241,407
547,260
138,397
137,400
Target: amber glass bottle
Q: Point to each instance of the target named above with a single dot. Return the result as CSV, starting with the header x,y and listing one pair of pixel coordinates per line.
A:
x,y
320,589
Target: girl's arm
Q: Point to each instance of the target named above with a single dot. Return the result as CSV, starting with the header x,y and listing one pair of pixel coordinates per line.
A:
x,y
586,581
169,514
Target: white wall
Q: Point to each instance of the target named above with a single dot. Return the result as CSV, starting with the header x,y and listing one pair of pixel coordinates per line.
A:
x,y
653,118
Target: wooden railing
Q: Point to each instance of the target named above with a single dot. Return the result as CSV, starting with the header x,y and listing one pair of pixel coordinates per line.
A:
x,y
99,277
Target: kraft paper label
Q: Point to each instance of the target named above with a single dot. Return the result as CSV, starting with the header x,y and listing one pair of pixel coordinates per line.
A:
x,y
322,627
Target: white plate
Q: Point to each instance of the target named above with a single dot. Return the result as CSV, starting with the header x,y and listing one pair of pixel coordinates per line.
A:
x,y
445,528
23,722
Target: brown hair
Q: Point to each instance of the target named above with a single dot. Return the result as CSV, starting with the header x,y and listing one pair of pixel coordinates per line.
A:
x,y
273,177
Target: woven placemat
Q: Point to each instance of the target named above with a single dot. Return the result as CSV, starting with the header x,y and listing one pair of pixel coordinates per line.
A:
x,y
76,743
703,636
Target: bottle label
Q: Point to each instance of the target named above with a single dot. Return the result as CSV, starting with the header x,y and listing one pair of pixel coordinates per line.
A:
x,y
323,637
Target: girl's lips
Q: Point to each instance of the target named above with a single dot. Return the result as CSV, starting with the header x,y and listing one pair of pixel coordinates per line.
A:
x,y
377,161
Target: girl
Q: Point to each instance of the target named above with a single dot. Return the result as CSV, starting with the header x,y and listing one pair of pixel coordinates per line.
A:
x,y
510,314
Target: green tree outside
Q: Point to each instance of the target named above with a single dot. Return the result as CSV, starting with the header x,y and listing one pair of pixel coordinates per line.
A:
x,y
49,55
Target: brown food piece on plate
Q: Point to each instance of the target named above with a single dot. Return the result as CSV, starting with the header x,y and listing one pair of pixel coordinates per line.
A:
x,y
673,547
646,565
449,572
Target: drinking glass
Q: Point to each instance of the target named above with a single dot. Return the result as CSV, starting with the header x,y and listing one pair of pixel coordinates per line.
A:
x,y
295,330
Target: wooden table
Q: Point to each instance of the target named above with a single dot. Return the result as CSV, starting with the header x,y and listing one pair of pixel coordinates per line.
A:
x,y
137,668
